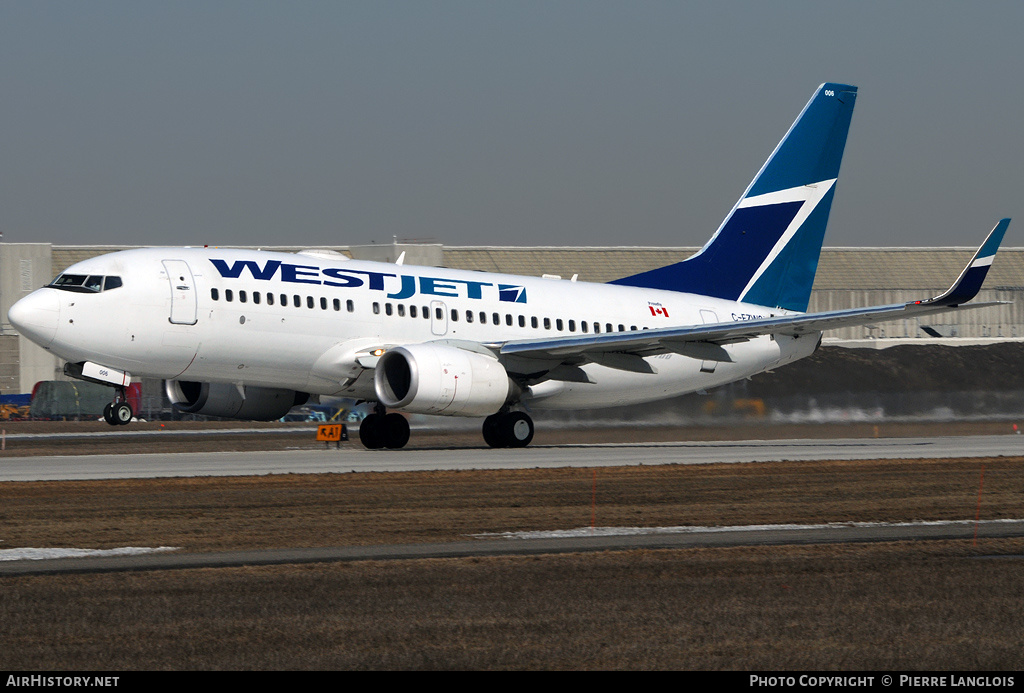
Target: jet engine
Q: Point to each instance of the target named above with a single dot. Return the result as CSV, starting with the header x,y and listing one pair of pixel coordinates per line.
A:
x,y
436,379
221,399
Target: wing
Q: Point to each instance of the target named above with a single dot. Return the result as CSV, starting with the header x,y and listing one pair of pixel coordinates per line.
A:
x,y
624,349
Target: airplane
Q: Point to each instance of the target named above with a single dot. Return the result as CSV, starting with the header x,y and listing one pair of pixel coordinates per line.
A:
x,y
249,334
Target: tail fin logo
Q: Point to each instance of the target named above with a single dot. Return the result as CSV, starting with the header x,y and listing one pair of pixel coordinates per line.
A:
x,y
766,250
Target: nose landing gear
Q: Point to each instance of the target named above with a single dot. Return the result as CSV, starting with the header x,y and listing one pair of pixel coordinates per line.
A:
x,y
118,412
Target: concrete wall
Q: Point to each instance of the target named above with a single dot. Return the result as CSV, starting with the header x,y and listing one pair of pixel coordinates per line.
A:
x,y
24,267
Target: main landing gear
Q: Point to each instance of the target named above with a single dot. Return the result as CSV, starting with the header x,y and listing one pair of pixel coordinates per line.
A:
x,y
381,430
118,412
511,429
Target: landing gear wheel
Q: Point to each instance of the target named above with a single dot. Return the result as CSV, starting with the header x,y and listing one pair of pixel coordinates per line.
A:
x,y
384,431
371,431
396,431
510,430
122,413
118,413
492,433
518,429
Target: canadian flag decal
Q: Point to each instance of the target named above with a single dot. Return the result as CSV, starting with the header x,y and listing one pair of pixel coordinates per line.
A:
x,y
659,311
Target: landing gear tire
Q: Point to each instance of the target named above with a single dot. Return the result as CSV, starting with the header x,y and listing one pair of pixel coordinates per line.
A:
x,y
396,431
384,431
492,435
371,433
118,413
513,429
122,413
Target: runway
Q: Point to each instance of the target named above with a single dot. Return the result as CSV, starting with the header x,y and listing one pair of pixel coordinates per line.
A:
x,y
349,460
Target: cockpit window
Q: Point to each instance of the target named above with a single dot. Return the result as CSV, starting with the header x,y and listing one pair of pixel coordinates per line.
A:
x,y
89,284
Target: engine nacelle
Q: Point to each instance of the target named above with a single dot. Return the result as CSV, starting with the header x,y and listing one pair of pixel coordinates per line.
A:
x,y
221,399
435,379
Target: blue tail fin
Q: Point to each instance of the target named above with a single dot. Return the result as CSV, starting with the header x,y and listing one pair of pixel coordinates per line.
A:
x,y
766,251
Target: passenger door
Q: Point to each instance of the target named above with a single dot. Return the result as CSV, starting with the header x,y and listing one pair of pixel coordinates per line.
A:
x,y
183,292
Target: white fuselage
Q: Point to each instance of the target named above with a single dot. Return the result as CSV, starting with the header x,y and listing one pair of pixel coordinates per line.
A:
x,y
310,322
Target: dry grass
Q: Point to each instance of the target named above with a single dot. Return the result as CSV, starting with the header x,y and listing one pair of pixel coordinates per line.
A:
x,y
878,607
208,514
928,605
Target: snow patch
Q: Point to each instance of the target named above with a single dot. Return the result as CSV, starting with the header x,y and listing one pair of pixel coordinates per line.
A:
x,y
632,531
32,554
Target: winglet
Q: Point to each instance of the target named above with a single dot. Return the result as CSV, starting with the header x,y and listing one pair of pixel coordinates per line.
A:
x,y
970,280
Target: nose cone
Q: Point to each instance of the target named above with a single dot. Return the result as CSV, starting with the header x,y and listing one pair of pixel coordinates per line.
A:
x,y
36,316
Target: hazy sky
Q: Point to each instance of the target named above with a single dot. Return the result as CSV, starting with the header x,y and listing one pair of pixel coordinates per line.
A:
x,y
486,122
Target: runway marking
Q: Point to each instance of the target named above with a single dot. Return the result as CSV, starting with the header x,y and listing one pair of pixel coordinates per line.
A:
x,y
685,529
33,554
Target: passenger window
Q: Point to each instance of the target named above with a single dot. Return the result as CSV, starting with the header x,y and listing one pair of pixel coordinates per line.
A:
x,y
270,299
483,318
323,303
255,296
337,304
412,311
376,308
401,310
241,296
309,302
388,309
438,313
547,323
455,315
214,294
522,321
533,322
597,327
508,319
583,325
426,313
350,306
228,295
558,324
296,300
469,316
572,325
